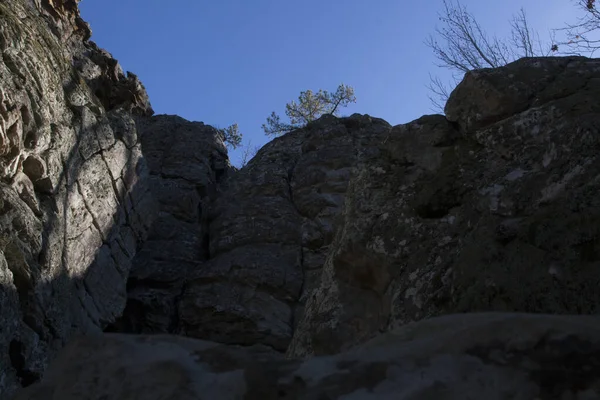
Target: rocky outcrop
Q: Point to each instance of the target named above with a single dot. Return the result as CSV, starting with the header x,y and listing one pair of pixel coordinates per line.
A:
x,y
494,208
233,256
349,227
270,229
494,356
348,231
186,161
74,203
343,230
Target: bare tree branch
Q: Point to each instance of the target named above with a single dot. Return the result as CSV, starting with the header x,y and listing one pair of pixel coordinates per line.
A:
x,y
583,36
461,45
438,93
248,152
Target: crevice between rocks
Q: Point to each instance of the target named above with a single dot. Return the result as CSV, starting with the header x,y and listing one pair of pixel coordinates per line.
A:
x,y
18,361
295,304
89,210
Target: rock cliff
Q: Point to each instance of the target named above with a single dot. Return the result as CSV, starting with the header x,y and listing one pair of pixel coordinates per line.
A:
x,y
74,202
339,262
493,208
186,161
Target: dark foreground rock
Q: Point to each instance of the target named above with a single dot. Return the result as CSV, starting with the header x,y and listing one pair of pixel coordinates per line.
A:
x,y
493,356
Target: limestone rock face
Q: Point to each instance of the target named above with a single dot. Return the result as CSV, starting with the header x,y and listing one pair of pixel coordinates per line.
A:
x,y
74,198
496,356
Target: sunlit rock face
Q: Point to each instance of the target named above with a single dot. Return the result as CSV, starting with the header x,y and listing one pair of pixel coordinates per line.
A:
x,y
74,202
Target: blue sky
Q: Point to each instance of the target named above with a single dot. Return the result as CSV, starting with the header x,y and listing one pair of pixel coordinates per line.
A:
x,y
226,61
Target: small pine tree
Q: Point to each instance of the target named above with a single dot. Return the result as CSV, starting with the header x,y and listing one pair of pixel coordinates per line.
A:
x,y
231,135
310,106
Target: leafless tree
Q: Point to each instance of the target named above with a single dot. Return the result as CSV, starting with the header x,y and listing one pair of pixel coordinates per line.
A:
x,y
526,42
439,92
583,36
248,152
461,44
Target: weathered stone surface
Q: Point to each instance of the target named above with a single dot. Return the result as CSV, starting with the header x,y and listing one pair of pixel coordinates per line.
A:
x,y
492,356
492,213
433,212
67,231
332,235
270,227
489,95
186,160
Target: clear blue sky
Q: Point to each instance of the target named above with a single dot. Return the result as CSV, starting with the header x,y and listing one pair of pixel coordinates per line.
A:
x,y
226,61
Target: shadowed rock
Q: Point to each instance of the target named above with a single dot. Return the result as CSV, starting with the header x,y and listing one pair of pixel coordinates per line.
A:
x,y
496,356
497,213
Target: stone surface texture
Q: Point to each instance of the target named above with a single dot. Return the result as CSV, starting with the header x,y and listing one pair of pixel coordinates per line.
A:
x,y
342,262
495,356
186,161
270,228
73,194
493,209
